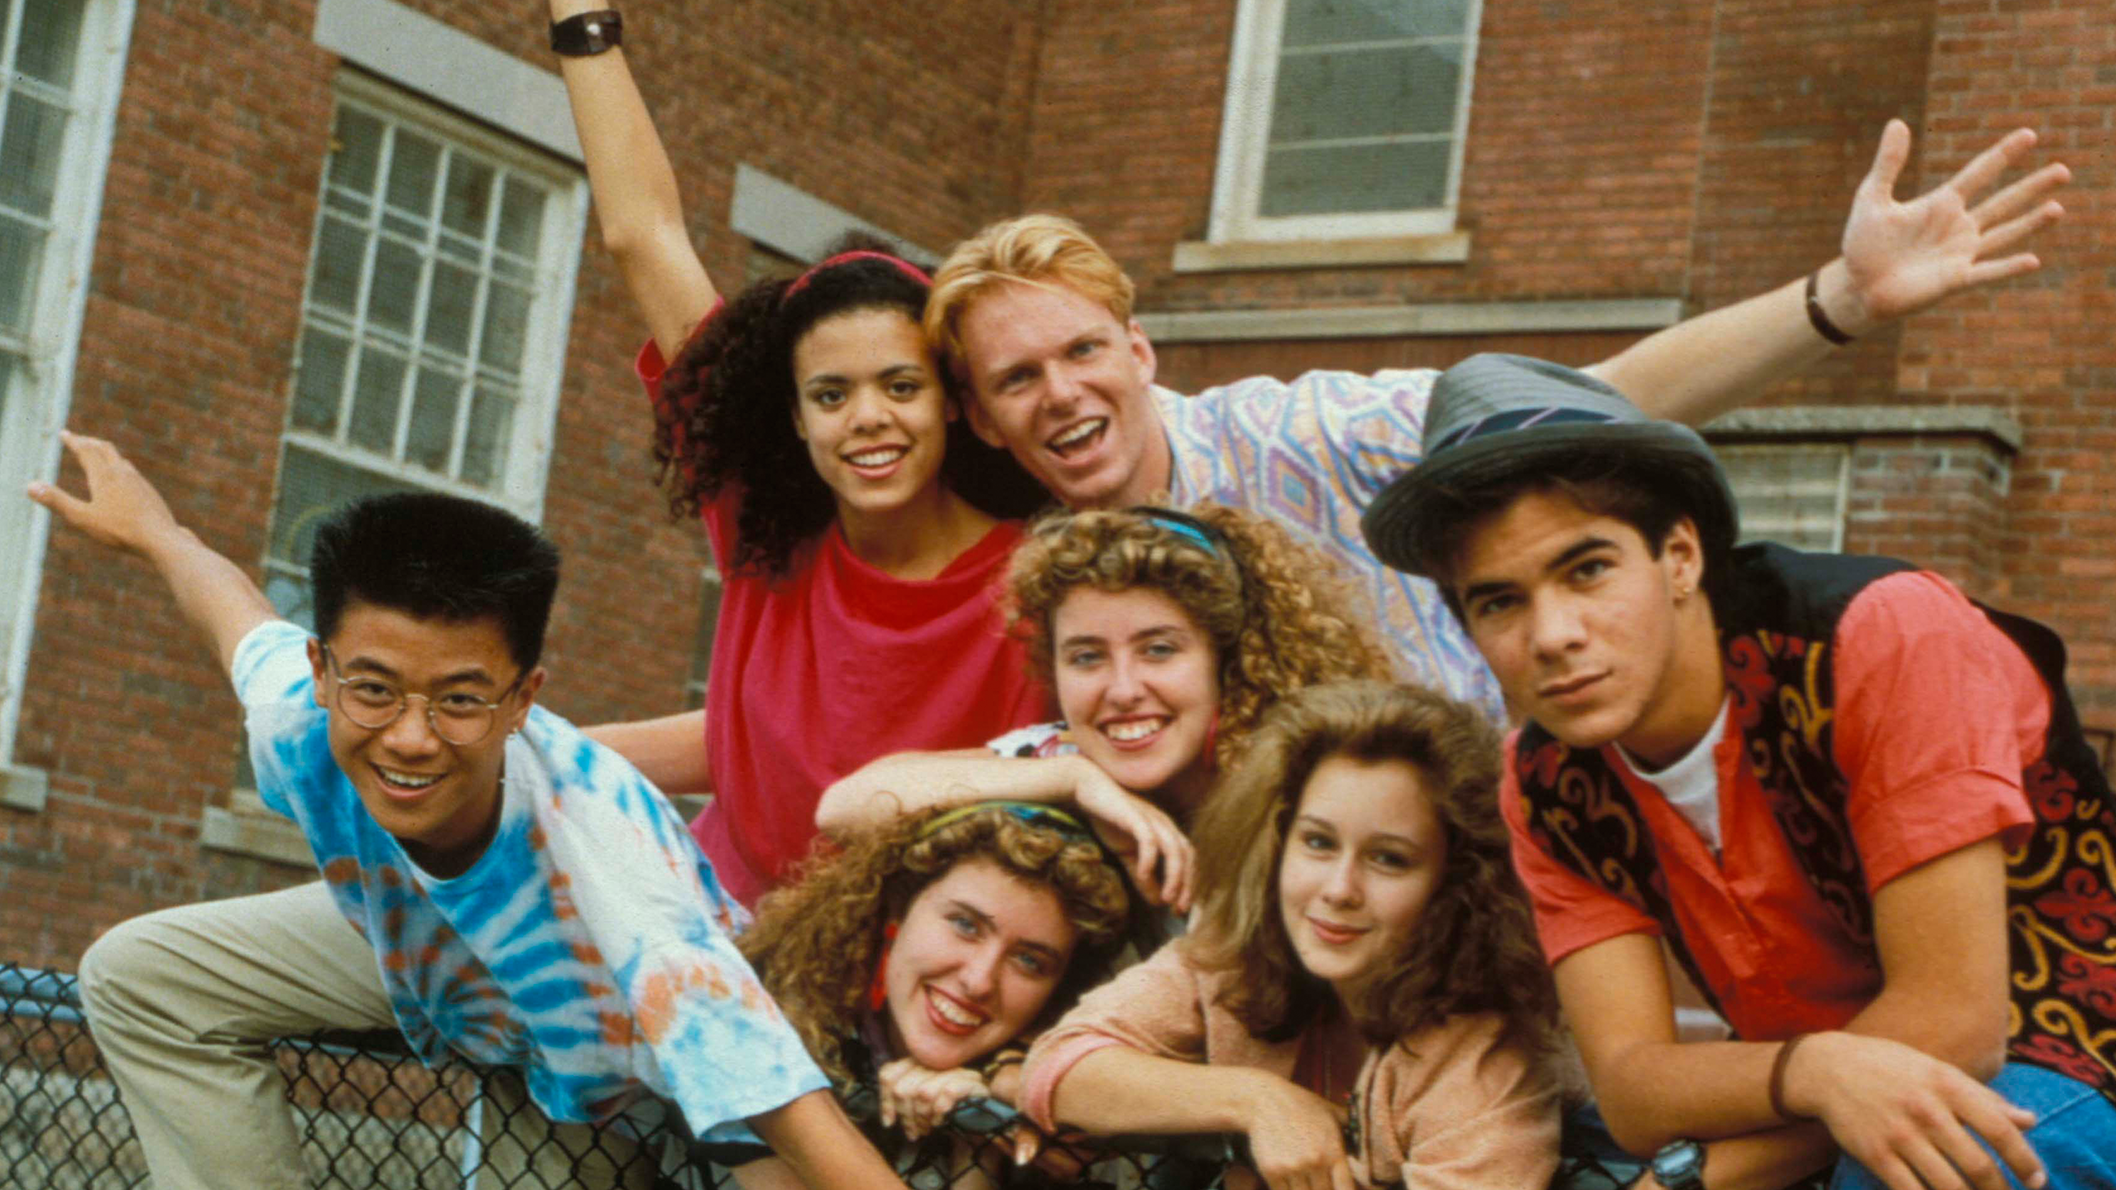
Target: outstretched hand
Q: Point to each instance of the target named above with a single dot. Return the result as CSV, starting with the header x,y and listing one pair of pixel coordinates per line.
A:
x,y
121,509
1903,256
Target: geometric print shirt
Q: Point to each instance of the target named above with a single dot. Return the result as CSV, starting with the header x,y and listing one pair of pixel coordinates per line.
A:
x,y
1311,455
590,946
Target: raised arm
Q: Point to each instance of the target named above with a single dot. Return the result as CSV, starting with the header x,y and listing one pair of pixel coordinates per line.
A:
x,y
1899,257
908,782
124,511
636,202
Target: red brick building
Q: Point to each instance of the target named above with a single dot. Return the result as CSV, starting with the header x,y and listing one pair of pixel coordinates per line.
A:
x,y
287,252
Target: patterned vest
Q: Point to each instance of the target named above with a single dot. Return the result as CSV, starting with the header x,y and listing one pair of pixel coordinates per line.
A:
x,y
1776,649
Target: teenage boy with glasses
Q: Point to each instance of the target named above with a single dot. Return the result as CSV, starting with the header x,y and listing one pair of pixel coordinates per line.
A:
x,y
496,886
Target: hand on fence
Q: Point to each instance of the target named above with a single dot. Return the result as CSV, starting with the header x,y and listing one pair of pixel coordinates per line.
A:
x,y
1296,1138
918,1099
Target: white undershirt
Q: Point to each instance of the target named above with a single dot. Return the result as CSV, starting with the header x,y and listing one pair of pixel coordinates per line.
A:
x,y
1691,783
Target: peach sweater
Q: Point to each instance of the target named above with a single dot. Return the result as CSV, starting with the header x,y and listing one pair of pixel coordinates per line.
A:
x,y
1448,1108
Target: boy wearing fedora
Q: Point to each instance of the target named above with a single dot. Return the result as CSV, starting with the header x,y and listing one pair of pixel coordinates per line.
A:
x,y
1856,806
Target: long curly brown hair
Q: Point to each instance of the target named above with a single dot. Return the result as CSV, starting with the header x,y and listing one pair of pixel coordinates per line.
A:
x,y
1277,621
817,941
1475,949
728,413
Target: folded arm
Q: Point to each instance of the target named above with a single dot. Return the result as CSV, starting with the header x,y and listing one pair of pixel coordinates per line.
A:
x,y
123,510
1899,257
1896,1088
636,202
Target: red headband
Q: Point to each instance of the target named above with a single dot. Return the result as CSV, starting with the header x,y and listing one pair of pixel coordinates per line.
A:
x,y
904,266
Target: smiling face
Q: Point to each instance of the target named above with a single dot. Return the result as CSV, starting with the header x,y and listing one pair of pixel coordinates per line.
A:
x,y
1064,386
975,959
1592,635
869,403
1138,682
1363,855
437,798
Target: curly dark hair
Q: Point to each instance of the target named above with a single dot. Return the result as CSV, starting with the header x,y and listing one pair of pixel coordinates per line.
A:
x,y
1475,950
727,413
817,940
1276,619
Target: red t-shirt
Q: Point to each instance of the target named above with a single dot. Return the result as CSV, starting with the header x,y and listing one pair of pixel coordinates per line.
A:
x,y
821,670
1929,773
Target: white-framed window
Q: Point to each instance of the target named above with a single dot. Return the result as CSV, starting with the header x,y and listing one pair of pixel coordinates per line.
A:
x,y
1344,119
1793,493
434,321
61,65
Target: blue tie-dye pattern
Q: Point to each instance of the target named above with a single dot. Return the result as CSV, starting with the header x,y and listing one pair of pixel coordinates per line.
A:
x,y
1311,455
493,966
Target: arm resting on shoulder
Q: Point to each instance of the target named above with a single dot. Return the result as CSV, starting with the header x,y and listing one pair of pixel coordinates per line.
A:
x,y
634,187
124,511
1898,258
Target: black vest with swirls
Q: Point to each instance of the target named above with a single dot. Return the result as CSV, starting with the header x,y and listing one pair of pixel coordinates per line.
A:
x,y
1776,644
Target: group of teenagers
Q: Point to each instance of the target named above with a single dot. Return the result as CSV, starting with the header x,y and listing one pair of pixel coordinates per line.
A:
x,y
1136,760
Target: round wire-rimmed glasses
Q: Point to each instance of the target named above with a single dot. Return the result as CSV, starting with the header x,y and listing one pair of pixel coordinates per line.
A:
x,y
459,717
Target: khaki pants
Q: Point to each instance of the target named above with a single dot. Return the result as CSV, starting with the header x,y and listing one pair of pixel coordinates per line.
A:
x,y
182,1004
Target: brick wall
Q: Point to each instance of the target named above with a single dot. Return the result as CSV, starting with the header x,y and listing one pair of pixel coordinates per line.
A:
x,y
200,263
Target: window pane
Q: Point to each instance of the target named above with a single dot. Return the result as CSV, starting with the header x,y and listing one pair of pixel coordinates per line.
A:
x,y
448,308
469,196
1792,494
1329,22
319,379
1383,92
1356,178
506,325
521,218
376,394
394,293
485,449
356,150
20,246
29,153
412,168
50,31
341,252
433,420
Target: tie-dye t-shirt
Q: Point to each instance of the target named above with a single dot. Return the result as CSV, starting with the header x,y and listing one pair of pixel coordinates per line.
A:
x,y
1311,455
588,946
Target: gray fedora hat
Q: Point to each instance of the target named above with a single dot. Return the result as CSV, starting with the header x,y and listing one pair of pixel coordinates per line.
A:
x,y
1498,418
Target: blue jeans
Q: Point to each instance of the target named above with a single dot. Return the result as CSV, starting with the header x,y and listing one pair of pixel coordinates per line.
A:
x,y
2074,1133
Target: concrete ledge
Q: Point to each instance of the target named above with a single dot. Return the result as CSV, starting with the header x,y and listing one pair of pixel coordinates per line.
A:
x,y
24,788
1433,318
1860,421
1203,256
793,222
414,50
258,833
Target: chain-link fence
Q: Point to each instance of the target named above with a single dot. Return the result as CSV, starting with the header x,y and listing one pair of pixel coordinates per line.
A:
x,y
371,1115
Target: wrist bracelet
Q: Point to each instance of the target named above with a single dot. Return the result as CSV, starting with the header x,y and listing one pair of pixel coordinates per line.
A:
x,y
1818,317
1010,1056
587,33
1778,1065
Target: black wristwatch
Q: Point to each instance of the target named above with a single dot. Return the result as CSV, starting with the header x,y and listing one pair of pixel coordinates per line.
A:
x,y
1680,1165
586,33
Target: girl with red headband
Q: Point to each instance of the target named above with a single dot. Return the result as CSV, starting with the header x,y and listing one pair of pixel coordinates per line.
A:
x,y
859,527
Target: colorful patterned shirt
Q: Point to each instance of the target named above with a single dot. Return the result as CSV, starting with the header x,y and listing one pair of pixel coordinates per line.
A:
x,y
590,945
1311,455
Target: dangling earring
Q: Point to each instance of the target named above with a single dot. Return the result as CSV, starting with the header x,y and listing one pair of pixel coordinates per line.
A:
x,y
1212,740
878,995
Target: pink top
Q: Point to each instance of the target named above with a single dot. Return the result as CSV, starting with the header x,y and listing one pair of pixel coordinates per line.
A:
x,y
1448,1108
819,671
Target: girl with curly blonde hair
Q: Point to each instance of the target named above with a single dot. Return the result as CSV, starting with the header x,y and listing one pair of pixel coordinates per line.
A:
x,y
914,953
1361,974
1165,636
